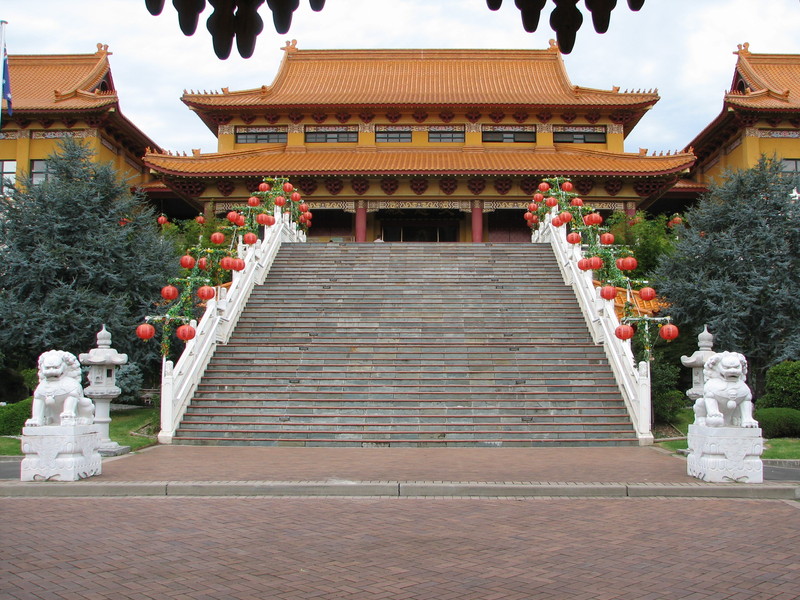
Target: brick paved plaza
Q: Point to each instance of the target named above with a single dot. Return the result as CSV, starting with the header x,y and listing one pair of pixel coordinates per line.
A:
x,y
403,548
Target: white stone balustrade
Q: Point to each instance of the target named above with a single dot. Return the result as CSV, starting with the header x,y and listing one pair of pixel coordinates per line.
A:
x,y
179,381
633,379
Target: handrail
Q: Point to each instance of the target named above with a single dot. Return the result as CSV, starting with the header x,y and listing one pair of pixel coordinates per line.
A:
x,y
633,381
179,381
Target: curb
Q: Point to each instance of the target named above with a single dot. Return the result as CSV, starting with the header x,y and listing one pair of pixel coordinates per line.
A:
x,y
397,489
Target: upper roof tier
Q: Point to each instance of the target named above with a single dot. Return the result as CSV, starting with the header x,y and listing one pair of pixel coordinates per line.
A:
x,y
765,81
421,78
62,82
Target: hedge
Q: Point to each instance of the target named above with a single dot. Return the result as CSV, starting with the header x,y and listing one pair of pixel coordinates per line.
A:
x,y
778,422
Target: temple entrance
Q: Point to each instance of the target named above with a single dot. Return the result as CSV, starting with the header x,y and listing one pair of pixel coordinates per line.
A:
x,y
508,226
419,225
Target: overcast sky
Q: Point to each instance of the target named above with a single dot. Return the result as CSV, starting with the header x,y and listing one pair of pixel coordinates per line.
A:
x,y
682,47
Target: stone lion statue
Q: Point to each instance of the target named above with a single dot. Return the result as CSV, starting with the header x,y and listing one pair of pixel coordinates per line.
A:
x,y
726,399
59,399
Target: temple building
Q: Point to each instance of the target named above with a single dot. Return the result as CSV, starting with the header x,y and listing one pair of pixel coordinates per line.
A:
x,y
760,116
420,145
73,95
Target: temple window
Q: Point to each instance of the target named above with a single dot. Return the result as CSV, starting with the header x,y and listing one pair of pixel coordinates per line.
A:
x,y
790,165
261,135
39,171
331,134
446,134
508,135
393,136
8,173
579,135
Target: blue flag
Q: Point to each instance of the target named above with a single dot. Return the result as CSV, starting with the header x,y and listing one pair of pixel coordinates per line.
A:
x,y
6,83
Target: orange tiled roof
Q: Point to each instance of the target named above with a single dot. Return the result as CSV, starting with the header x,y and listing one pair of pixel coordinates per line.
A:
x,y
420,77
273,159
60,82
640,307
772,81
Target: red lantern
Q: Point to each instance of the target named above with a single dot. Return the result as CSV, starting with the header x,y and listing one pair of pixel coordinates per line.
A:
x,y
628,264
668,332
551,201
567,186
624,332
187,261
202,263
619,264
608,292
200,219
302,218
303,207
565,216
253,201
647,293
185,332
528,216
163,220
280,201
537,197
574,237
557,222
296,197
544,186
675,221
595,263
308,215
264,187
169,292
288,187
217,238
226,263
265,219
250,238
232,216
583,264
534,220
145,331
533,207
576,202
607,238
240,221
205,292
238,264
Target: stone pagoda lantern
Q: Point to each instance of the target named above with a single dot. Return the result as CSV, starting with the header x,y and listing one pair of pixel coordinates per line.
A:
x,y
103,362
696,362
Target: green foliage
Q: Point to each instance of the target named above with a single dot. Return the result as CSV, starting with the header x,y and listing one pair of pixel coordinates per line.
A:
x,y
79,251
778,422
733,264
647,237
667,400
13,417
783,386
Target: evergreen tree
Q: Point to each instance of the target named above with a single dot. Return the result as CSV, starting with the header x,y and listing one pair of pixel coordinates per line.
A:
x,y
736,266
78,251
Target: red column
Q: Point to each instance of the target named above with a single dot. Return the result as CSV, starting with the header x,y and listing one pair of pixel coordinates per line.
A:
x,y
477,221
361,222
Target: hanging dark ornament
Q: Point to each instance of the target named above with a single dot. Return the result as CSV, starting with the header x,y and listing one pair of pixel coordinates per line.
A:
x,y
317,5
635,4
531,11
565,20
282,11
154,7
221,25
188,14
248,26
494,4
601,13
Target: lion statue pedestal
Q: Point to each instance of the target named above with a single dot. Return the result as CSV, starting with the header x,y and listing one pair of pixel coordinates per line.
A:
x,y
60,441
725,443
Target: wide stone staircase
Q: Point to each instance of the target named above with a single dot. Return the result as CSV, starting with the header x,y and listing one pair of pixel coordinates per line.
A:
x,y
387,344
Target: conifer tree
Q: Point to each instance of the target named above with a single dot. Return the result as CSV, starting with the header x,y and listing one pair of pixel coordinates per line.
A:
x,y
77,251
736,267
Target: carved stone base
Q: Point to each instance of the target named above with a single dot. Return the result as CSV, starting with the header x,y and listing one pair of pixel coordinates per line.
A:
x,y
725,454
60,453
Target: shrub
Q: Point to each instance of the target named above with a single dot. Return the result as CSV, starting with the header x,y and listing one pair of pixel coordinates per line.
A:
x,y
779,422
13,417
667,399
783,386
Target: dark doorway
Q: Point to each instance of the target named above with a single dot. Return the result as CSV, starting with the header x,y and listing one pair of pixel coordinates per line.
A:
x,y
419,225
508,226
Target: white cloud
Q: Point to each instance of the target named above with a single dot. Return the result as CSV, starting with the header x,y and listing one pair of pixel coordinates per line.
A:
x,y
682,47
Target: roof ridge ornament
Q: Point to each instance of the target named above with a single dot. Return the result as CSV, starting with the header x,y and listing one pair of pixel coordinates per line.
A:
x,y
102,49
290,47
743,48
